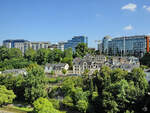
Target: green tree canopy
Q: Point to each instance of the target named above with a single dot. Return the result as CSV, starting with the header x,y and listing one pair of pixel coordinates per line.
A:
x,y
82,106
6,96
42,105
30,54
64,71
35,83
41,56
54,56
3,53
81,50
14,53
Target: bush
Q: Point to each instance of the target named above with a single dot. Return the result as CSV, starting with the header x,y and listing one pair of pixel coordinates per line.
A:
x,y
42,105
55,103
6,96
68,102
82,106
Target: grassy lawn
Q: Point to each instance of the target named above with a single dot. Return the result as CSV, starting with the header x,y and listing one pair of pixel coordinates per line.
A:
x,y
15,109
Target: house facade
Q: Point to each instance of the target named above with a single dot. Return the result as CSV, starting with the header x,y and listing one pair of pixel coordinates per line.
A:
x,y
57,68
15,72
91,63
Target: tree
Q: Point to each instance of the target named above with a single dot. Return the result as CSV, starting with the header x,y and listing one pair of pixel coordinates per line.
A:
x,y
54,56
35,83
118,74
42,105
138,77
3,53
14,63
78,94
68,57
52,72
103,79
41,56
145,60
64,71
67,101
68,61
68,53
81,50
14,53
15,83
6,96
30,54
82,106
67,86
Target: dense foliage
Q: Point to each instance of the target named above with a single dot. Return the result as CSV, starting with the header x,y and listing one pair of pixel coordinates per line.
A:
x,y
35,83
106,91
145,60
42,105
6,96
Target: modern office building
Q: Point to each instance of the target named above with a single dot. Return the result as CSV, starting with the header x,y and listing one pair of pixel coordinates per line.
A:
x,y
53,46
105,44
75,41
36,45
61,46
99,47
128,45
23,45
18,43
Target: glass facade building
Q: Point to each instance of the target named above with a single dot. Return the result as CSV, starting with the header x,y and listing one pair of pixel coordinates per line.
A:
x,y
75,41
128,45
105,44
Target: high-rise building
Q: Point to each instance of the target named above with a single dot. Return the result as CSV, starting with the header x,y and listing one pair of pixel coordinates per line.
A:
x,y
128,45
75,41
99,47
105,44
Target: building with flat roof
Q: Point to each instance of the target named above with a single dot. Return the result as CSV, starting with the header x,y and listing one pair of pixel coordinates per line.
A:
x,y
75,41
23,45
36,45
61,46
127,45
18,43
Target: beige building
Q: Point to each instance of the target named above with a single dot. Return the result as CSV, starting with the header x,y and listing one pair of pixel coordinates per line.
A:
x,y
23,45
61,46
36,45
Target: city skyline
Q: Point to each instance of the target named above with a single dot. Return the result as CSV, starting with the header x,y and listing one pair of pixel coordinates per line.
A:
x,y
57,20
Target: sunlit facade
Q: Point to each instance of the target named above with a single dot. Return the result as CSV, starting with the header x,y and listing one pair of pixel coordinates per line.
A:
x,y
75,41
129,45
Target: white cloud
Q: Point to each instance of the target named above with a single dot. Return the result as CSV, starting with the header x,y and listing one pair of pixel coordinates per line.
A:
x,y
130,7
129,27
147,8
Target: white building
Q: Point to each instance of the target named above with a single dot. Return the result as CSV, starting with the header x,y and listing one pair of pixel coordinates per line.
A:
x,y
61,46
23,45
36,45
57,68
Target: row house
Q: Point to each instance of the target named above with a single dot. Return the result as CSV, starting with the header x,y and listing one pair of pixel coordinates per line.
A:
x,y
80,65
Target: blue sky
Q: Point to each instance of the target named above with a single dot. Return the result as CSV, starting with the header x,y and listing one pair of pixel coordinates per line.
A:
x,y
60,20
